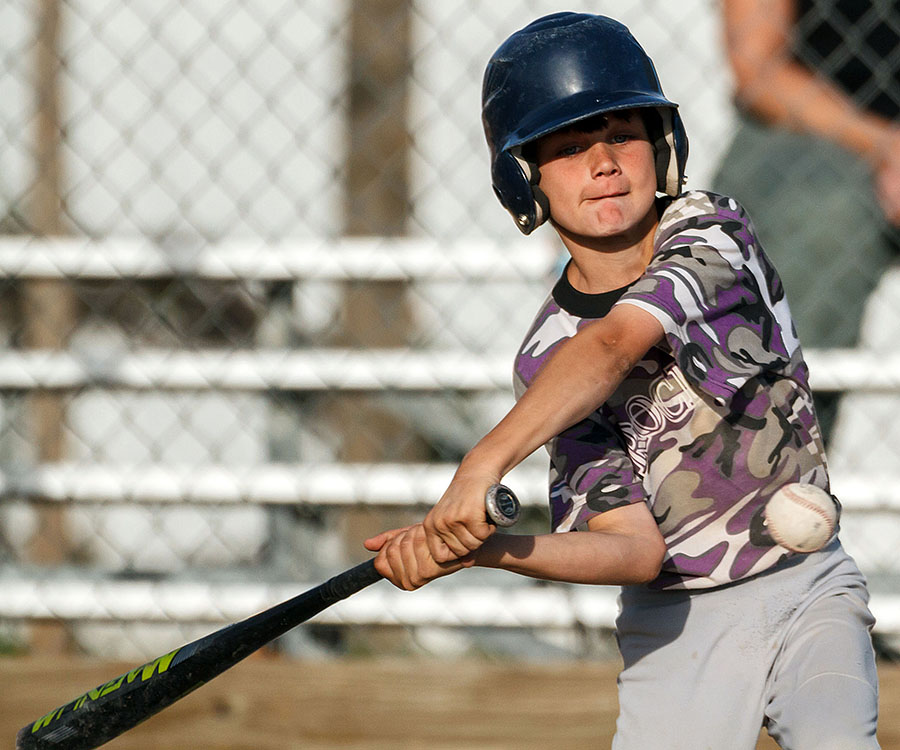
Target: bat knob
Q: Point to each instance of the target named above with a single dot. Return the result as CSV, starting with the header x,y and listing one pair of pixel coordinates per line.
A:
x,y
502,505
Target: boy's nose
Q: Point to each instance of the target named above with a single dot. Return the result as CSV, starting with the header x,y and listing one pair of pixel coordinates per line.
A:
x,y
603,161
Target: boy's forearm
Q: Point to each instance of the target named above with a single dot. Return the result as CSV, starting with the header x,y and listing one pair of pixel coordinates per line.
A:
x,y
590,557
581,375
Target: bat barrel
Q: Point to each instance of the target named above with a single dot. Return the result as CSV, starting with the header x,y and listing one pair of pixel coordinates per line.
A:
x,y
120,704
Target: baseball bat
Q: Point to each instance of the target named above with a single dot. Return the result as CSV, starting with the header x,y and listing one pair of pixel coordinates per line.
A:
x,y
116,706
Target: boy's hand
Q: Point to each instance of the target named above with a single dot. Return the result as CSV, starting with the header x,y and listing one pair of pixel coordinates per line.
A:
x,y
456,526
405,560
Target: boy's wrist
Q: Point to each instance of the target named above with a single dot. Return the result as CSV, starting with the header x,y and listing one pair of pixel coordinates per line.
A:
x,y
489,554
480,462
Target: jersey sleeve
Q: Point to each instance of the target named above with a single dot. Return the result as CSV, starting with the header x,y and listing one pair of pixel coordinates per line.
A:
x,y
716,295
590,473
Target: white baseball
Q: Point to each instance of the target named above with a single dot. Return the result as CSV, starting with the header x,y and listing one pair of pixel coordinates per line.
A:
x,y
801,517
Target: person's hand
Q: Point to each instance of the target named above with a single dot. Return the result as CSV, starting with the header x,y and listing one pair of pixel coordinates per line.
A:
x,y
457,525
405,560
887,178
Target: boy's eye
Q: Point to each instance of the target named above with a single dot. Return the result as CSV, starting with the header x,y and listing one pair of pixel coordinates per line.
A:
x,y
621,137
569,150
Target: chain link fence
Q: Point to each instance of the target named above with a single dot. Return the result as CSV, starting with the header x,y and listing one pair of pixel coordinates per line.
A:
x,y
257,298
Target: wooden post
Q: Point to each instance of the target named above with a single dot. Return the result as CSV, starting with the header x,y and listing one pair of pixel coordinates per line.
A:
x,y
48,306
377,186
377,202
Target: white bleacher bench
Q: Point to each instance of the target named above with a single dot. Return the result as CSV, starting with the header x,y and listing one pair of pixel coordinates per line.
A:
x,y
479,605
350,370
338,484
339,259
442,604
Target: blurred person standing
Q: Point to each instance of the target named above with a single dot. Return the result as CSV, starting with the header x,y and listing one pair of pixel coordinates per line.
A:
x,y
816,155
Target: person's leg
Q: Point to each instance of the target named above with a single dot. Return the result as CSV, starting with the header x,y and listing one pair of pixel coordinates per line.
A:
x,y
684,685
705,669
824,684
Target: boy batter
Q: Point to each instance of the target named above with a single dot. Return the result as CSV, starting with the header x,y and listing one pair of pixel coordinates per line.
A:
x,y
664,375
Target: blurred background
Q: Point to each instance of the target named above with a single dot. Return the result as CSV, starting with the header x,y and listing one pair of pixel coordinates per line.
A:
x,y
257,299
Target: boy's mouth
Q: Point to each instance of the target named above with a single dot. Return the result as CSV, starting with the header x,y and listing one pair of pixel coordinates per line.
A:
x,y
604,196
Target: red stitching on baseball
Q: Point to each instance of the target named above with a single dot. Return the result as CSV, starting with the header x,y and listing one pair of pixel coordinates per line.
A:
x,y
803,502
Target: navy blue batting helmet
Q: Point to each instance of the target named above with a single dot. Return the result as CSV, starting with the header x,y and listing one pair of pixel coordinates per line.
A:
x,y
558,70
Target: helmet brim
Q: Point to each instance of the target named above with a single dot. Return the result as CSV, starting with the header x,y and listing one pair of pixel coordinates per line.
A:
x,y
581,106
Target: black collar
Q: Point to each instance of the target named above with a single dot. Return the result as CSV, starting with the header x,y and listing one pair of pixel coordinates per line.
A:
x,y
581,304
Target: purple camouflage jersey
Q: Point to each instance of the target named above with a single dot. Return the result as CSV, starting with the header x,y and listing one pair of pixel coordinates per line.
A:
x,y
712,421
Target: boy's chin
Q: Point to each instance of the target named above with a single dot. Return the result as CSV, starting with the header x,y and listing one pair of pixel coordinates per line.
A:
x,y
609,225
594,232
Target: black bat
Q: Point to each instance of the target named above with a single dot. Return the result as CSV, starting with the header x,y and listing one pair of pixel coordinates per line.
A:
x,y
116,706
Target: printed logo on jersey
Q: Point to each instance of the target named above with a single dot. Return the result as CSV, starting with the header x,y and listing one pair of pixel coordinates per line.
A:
x,y
669,402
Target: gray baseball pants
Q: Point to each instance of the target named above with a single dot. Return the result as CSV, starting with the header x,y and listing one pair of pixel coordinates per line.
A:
x,y
789,649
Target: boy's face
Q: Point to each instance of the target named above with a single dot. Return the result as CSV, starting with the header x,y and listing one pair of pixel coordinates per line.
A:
x,y
600,178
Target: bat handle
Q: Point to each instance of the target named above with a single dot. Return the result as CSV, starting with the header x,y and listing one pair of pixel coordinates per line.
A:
x,y
502,505
349,582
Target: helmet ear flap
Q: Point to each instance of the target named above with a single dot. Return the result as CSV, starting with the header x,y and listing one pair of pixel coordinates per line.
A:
x,y
670,145
516,185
